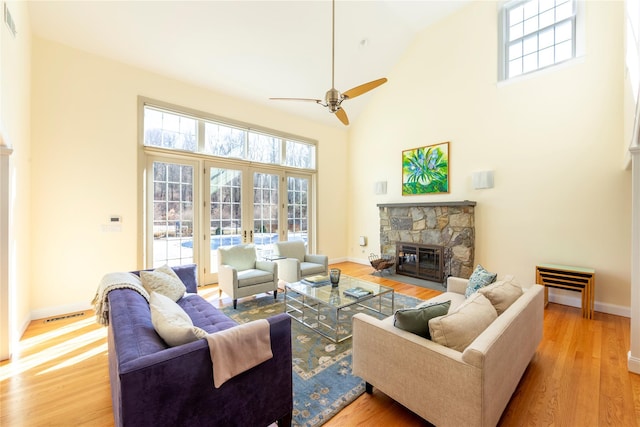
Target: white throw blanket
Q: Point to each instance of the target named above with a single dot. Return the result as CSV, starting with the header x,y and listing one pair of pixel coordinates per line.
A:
x,y
110,282
239,349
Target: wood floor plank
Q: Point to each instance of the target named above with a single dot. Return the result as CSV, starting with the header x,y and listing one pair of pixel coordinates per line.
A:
x,y
578,376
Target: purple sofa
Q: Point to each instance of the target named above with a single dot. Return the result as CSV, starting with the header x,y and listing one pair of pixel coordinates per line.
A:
x,y
153,384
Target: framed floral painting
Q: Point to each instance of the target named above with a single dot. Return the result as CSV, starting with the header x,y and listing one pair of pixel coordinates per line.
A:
x,y
425,170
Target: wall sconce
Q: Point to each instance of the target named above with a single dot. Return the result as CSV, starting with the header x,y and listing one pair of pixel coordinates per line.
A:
x,y
482,179
380,187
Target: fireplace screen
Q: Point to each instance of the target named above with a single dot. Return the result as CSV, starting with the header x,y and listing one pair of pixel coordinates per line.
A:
x,y
421,261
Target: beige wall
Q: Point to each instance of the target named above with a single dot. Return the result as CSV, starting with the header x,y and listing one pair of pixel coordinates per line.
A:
x,y
553,139
15,69
85,167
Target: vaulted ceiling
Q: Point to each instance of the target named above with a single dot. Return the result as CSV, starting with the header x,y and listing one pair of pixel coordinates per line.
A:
x,y
248,49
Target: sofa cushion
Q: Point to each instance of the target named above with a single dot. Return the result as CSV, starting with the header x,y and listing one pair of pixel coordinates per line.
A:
x,y
171,322
311,268
253,277
165,281
240,257
479,278
502,294
416,320
291,249
459,328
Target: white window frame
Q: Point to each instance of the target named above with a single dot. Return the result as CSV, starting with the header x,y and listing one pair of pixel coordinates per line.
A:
x,y
578,36
149,154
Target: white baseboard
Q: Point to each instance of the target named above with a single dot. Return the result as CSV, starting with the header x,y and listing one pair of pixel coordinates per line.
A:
x,y
358,261
601,307
338,260
633,364
61,309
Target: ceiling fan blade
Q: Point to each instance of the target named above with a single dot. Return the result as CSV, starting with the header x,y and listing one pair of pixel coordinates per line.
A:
x,y
342,116
359,90
317,101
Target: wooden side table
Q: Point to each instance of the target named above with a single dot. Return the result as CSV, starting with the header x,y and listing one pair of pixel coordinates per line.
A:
x,y
577,279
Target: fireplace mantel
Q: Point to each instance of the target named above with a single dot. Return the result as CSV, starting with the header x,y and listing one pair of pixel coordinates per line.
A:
x,y
426,204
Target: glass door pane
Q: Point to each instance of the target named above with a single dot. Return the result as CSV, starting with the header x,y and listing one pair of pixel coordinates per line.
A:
x,y
224,214
297,208
172,214
266,199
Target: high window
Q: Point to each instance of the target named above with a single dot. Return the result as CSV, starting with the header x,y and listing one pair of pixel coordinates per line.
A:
x,y
537,34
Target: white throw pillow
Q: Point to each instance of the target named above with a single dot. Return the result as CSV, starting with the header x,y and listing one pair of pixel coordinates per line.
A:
x,y
502,294
459,328
165,281
171,322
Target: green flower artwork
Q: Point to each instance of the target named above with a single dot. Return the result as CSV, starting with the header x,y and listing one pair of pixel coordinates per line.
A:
x,y
425,170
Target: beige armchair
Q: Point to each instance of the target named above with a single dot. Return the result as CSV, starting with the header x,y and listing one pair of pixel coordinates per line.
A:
x,y
240,274
297,263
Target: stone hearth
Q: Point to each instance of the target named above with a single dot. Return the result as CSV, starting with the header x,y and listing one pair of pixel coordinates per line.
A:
x,y
447,224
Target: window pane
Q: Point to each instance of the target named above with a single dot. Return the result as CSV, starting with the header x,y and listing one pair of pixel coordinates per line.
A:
x,y
564,11
300,155
515,50
167,130
531,9
263,148
544,5
546,19
515,68
516,15
531,25
530,44
563,51
546,38
516,32
564,31
545,57
224,141
530,63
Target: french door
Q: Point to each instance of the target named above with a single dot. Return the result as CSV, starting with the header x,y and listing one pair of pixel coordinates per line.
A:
x,y
194,207
172,219
242,205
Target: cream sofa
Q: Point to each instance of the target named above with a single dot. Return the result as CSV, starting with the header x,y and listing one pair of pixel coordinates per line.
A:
x,y
444,386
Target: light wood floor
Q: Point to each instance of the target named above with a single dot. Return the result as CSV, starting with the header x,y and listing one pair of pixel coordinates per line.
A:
x,y
578,377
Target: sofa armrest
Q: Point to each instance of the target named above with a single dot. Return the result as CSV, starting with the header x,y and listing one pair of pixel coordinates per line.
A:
x,y
227,277
269,266
413,370
318,259
289,269
457,285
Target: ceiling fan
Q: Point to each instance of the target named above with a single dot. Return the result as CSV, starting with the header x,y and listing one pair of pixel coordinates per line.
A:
x,y
333,98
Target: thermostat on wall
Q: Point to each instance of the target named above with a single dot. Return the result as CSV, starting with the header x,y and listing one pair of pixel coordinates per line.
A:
x,y
115,219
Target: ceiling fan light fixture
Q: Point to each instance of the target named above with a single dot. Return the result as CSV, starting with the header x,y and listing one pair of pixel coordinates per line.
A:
x,y
333,98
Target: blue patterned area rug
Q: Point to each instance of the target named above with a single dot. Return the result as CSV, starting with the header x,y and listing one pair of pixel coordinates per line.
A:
x,y
322,379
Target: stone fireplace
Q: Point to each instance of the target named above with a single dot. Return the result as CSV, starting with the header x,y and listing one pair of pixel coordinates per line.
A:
x,y
450,225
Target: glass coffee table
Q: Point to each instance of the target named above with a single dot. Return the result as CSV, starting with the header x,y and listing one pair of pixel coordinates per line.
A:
x,y
328,311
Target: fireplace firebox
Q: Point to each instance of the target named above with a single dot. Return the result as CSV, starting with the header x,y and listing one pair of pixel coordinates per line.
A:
x,y
421,261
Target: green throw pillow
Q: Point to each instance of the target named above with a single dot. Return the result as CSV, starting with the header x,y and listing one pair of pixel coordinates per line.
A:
x,y
416,320
479,279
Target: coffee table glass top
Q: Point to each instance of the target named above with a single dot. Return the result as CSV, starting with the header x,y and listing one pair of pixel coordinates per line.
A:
x,y
335,296
328,311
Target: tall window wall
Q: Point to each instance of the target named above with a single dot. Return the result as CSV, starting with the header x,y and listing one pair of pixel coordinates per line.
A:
x,y
212,182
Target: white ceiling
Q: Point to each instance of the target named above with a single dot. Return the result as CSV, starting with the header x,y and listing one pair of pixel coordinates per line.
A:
x,y
248,49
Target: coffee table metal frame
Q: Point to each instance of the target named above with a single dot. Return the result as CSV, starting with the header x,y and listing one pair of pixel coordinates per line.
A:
x,y
310,305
